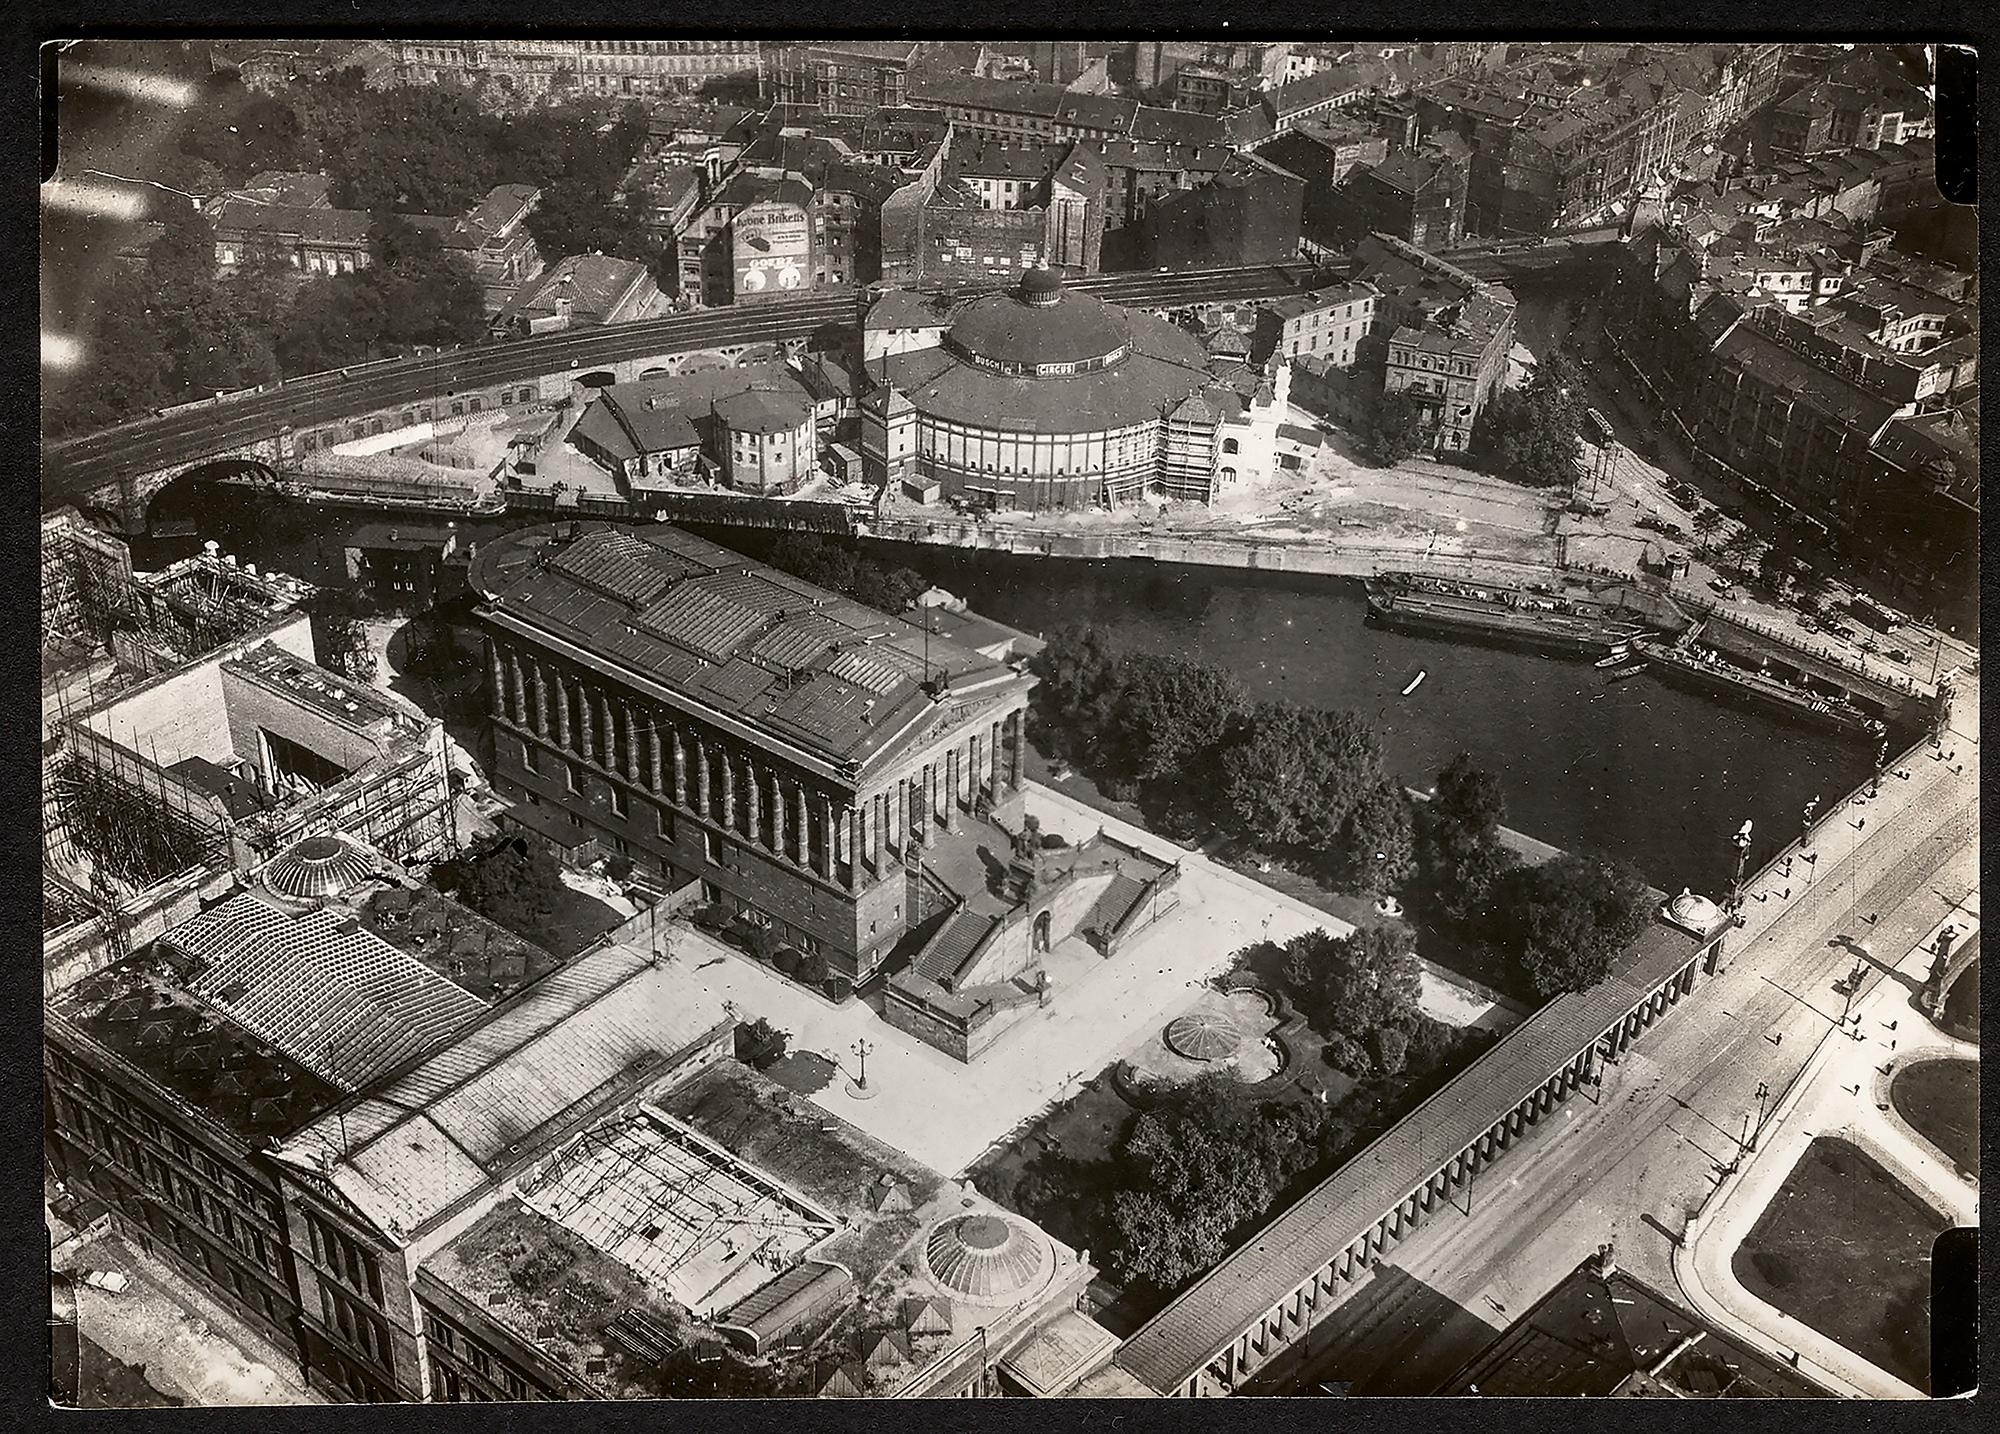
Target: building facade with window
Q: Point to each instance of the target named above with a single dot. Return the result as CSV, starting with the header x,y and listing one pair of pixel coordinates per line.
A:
x,y
846,77
791,753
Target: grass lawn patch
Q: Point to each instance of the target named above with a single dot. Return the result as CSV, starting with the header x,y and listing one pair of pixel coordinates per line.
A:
x,y
1941,1099
1846,1248
1083,1129
578,921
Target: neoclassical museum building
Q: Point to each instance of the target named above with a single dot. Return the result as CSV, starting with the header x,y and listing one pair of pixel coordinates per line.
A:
x,y
1041,397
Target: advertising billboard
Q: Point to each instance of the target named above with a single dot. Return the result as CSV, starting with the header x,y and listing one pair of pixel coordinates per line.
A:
x,y
771,249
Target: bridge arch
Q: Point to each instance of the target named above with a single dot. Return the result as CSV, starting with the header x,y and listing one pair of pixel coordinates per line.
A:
x,y
178,493
597,378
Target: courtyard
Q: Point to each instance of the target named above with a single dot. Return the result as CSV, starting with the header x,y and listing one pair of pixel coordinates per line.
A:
x,y
1845,1247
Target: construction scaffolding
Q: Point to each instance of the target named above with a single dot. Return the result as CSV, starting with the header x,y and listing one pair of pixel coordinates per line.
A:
x,y
676,1209
86,586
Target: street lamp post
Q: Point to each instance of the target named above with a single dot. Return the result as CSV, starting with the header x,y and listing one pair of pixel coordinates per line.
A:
x,y
1757,1130
862,1050
1741,841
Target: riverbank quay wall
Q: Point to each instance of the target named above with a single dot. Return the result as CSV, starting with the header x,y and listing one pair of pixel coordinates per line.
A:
x,y
1258,1302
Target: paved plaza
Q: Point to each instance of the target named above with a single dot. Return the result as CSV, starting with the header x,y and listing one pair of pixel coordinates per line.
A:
x,y
946,1113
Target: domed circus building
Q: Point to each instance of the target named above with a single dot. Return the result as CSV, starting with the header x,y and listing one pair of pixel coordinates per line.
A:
x,y
1041,397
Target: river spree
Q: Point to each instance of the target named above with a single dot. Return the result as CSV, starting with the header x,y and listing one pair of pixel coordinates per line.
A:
x,y
1650,773
1658,776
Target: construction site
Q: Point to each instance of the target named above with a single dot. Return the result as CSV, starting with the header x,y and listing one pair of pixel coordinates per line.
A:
x,y
678,1209
189,733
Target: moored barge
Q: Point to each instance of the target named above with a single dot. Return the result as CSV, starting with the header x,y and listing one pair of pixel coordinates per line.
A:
x,y
1695,668
1515,617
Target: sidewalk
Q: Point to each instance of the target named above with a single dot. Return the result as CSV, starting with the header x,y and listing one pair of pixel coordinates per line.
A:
x,y
188,1345
1822,1102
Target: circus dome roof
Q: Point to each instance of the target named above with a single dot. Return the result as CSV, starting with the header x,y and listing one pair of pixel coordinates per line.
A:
x,y
1040,325
1692,913
317,867
986,1258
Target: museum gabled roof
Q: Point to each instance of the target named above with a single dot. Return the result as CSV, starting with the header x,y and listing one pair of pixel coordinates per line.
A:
x,y
734,642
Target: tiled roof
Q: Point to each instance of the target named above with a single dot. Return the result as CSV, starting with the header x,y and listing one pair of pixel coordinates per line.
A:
x,y
628,433
593,283
543,1062
334,997
1153,124
905,309
1009,329
671,608
503,204
762,411
996,159
313,226
1207,1317
1313,89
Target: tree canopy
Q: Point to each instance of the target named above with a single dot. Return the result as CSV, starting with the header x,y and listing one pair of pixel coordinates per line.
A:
x,y
181,332
1564,922
514,882
832,565
1169,713
1295,773
1183,737
1200,1166
1532,434
1350,988
1397,429
1459,855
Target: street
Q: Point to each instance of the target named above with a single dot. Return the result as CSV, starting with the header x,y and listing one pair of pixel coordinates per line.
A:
x,y
1628,1163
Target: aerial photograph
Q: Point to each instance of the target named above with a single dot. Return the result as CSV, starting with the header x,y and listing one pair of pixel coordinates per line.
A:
x,y
878,718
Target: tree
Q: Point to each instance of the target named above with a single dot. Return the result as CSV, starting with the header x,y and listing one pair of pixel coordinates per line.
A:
x,y
1072,704
338,635
1812,586
1564,922
424,293
1376,851
1292,774
1468,801
514,882
1197,1168
120,376
1459,855
1775,569
1742,549
1169,715
713,1371
576,217
1707,523
1533,434
760,1044
831,565
1350,987
1397,429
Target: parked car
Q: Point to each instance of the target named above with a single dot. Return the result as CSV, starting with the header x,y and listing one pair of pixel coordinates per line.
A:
x,y
1896,654
1722,587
